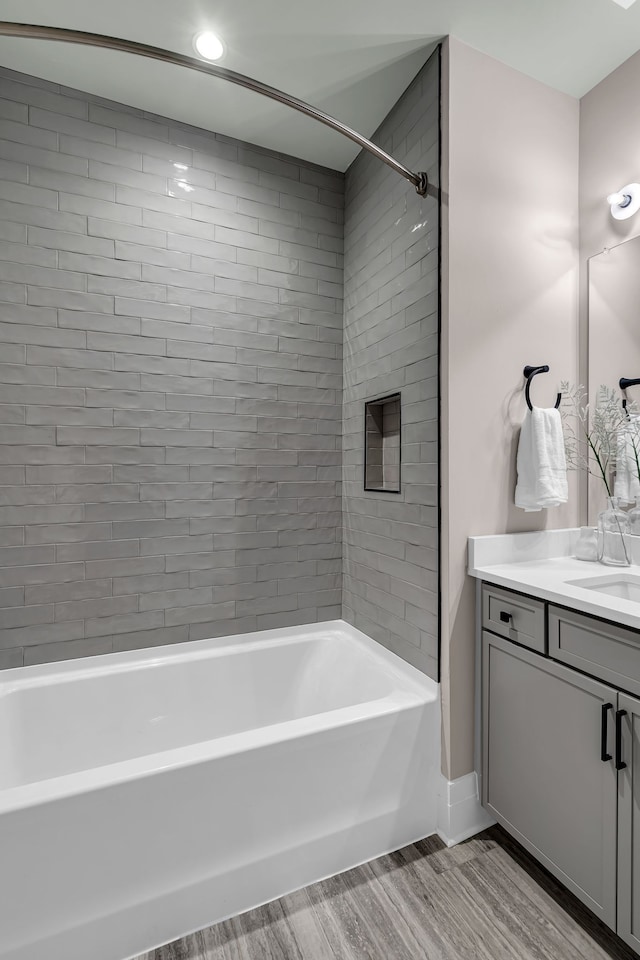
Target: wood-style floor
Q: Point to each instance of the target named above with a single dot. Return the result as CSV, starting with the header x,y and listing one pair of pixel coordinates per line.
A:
x,y
485,899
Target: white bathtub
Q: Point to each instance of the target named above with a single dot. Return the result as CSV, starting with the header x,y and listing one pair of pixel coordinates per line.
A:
x,y
147,794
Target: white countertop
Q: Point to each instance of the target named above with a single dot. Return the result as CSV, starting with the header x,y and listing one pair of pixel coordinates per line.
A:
x,y
546,577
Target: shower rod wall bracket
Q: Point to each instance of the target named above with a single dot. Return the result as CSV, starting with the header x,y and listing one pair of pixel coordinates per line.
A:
x,y
35,32
422,186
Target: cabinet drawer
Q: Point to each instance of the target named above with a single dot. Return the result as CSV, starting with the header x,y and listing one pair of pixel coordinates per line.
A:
x,y
604,650
515,617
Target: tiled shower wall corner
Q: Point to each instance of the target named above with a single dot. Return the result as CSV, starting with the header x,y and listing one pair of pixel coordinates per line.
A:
x,y
390,585
170,380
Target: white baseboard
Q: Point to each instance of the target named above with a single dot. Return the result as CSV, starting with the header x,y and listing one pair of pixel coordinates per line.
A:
x,y
460,813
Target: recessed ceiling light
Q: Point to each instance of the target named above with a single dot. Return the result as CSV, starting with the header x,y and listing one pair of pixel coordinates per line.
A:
x,y
209,46
625,3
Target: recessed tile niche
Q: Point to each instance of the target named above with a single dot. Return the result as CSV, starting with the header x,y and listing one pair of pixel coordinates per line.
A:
x,y
382,425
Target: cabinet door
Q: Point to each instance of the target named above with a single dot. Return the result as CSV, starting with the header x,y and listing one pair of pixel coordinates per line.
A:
x,y
629,823
544,778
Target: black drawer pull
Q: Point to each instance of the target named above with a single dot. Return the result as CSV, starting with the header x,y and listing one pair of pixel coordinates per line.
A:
x,y
604,756
620,764
506,617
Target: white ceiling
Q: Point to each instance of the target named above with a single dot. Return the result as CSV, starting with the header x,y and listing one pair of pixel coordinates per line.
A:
x,y
353,58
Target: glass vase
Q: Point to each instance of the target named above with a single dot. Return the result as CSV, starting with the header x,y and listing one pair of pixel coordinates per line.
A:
x,y
587,544
634,519
613,534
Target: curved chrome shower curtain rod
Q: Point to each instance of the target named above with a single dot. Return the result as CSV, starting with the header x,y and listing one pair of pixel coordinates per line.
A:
x,y
34,32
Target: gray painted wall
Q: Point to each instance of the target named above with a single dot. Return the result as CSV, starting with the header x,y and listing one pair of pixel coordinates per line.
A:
x,y
390,586
170,380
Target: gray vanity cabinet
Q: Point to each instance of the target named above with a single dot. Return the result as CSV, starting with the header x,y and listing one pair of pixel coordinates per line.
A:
x,y
629,823
544,777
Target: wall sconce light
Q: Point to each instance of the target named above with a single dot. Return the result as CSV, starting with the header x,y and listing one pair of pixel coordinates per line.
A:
x,y
625,202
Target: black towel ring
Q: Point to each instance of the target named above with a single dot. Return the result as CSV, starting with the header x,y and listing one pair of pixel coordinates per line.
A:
x,y
624,383
530,373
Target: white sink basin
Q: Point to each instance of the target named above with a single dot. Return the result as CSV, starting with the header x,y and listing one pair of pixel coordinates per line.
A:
x,y
624,586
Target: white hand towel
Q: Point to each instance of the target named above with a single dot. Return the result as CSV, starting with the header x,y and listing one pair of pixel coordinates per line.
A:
x,y
627,482
541,463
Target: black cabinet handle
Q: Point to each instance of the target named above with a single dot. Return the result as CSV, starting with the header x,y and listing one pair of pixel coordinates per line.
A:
x,y
604,756
620,764
506,617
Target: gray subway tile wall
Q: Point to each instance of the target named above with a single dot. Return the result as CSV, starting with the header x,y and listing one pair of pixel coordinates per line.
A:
x,y
390,585
170,381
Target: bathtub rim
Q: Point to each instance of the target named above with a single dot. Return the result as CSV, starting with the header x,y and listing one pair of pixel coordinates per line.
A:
x,y
122,661
414,690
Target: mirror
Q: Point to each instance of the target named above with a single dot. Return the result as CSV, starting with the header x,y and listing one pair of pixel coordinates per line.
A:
x,y
614,332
